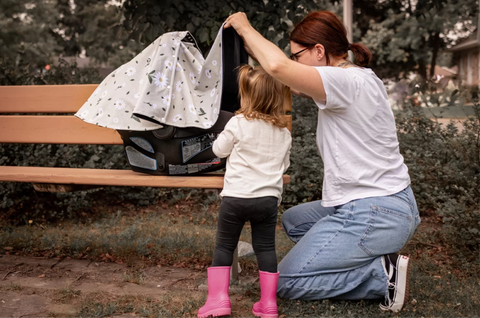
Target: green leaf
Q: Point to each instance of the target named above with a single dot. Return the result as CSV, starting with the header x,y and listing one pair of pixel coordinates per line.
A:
x,y
291,15
155,31
149,34
203,35
196,21
170,21
191,27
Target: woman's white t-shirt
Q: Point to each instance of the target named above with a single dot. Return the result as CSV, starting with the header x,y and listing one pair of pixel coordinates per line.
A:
x,y
258,155
357,138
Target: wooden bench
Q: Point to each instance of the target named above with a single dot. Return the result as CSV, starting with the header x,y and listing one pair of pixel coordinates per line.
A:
x,y
20,122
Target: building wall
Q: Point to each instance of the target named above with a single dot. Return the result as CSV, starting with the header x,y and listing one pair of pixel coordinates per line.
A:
x,y
478,67
470,75
476,75
469,66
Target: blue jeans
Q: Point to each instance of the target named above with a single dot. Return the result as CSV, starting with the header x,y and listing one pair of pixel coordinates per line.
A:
x,y
338,249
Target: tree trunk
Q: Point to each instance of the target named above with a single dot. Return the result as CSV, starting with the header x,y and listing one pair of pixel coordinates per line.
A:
x,y
435,49
422,70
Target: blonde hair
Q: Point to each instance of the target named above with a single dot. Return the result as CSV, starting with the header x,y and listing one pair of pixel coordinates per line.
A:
x,y
261,96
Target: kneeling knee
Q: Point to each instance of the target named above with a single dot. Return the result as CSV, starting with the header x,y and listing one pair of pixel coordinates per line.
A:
x,y
287,218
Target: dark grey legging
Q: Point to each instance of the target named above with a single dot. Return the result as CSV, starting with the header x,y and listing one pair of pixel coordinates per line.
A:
x,y
262,214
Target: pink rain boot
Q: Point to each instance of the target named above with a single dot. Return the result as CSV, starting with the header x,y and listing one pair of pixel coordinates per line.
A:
x,y
218,302
267,306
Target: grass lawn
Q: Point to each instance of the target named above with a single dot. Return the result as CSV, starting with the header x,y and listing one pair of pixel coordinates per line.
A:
x,y
182,236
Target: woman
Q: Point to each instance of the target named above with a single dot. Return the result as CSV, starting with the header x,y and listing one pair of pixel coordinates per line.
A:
x,y
347,242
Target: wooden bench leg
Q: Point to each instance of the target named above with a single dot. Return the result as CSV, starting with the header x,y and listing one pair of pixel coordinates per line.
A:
x,y
234,270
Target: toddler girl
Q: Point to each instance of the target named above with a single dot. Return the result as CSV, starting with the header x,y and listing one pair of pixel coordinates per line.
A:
x,y
257,144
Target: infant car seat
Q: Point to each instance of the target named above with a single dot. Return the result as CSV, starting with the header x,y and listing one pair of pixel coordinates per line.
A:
x,y
188,151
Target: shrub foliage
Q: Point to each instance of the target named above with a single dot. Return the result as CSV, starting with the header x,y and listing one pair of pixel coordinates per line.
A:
x,y
444,165
19,201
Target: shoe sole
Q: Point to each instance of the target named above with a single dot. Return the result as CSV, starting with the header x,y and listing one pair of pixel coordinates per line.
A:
x,y
403,277
407,284
262,315
216,313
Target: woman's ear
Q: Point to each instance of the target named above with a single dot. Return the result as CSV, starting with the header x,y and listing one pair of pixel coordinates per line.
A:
x,y
319,51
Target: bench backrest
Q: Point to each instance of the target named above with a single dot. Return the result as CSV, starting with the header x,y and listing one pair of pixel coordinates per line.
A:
x,y
20,122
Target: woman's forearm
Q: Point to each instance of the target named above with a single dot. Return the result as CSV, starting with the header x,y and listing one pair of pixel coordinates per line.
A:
x,y
266,53
297,76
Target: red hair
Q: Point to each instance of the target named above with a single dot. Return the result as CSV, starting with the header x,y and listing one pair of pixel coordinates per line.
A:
x,y
324,27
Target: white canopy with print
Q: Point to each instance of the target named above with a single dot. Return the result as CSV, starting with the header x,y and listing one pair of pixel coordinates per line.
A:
x,y
169,82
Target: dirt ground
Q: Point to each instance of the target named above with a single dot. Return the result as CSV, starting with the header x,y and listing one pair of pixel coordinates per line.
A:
x,y
39,287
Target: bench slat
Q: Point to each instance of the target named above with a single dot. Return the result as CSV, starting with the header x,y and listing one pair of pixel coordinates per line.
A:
x,y
54,130
44,98
59,130
109,177
54,98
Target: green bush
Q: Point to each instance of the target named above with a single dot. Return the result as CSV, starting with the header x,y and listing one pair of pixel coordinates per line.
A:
x,y
19,201
306,166
444,166
20,72
23,203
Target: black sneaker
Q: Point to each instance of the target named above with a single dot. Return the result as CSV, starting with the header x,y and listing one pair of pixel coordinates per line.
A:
x,y
396,268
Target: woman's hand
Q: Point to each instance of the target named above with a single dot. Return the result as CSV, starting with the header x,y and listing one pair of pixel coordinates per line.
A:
x,y
299,77
239,22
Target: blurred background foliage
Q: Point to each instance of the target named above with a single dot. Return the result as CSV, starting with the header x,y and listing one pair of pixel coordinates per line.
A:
x,y
404,36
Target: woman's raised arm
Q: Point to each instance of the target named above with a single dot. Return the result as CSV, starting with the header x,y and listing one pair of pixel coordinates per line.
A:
x,y
301,78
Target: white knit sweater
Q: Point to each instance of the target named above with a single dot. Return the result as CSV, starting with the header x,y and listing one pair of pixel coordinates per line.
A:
x,y
258,155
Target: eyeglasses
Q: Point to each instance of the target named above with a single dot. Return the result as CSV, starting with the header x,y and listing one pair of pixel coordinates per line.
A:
x,y
294,56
